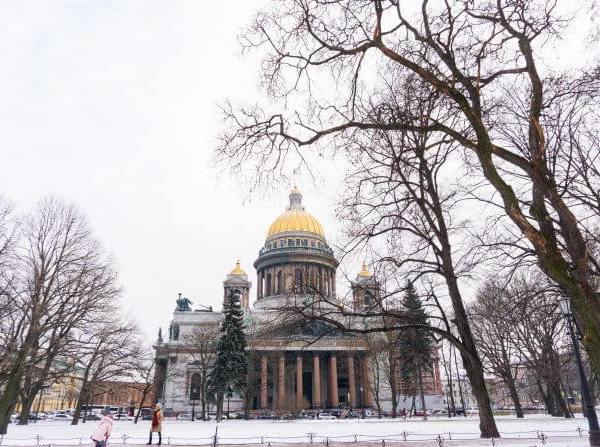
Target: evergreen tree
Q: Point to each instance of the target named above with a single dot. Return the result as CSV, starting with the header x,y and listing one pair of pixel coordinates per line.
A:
x,y
415,345
231,365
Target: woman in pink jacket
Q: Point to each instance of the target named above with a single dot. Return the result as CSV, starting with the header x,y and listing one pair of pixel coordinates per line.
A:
x,y
103,430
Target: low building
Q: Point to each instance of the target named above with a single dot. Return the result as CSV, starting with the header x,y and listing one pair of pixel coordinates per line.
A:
x,y
123,394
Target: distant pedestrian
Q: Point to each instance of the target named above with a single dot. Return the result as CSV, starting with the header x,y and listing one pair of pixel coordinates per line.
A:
x,y
103,430
156,427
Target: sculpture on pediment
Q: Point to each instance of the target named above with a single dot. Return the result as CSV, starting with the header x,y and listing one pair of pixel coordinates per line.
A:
x,y
183,304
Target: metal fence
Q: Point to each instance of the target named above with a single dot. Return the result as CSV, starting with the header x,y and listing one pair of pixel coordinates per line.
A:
x,y
404,438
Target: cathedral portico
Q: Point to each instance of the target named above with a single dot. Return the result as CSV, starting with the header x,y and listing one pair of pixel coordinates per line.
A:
x,y
296,380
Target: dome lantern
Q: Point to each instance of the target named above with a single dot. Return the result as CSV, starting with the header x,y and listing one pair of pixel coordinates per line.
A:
x,y
296,200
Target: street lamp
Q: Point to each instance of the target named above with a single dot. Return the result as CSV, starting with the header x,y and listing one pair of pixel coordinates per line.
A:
x,y
360,401
586,396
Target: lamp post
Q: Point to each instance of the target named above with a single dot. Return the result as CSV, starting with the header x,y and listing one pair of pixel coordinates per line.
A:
x,y
586,396
194,396
360,401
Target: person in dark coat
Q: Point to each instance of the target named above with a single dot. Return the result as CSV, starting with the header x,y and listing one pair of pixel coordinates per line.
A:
x,y
156,427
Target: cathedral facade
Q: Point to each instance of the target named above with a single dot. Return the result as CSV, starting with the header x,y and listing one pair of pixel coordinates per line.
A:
x,y
296,364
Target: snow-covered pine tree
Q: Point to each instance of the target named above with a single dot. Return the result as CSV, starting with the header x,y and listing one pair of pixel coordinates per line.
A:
x,y
415,345
231,365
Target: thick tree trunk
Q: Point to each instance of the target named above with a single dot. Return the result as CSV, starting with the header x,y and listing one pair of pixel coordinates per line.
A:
x,y
10,395
394,402
26,405
79,404
219,407
392,380
514,395
471,360
547,401
561,405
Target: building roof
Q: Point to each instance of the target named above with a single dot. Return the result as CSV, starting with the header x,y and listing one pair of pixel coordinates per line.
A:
x,y
295,219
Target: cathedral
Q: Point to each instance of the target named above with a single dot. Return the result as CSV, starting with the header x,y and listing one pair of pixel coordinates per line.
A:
x,y
297,364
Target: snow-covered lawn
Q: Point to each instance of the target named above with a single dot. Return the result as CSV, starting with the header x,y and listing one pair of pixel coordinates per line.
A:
x,y
524,432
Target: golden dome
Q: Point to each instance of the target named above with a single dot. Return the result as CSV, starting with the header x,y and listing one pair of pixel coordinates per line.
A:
x,y
365,271
295,218
238,269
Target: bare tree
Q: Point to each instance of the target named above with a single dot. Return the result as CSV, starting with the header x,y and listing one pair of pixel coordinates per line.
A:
x,y
483,59
64,282
493,318
107,351
202,343
144,375
9,311
539,335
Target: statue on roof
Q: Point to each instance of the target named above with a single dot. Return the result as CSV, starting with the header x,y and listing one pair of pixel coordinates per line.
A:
x,y
183,304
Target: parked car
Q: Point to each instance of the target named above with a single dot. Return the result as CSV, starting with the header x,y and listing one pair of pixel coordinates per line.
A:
x,y
146,414
122,417
324,415
92,417
184,417
61,417
37,416
369,413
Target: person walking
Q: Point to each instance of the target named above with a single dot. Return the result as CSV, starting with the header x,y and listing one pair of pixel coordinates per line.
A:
x,y
156,427
103,430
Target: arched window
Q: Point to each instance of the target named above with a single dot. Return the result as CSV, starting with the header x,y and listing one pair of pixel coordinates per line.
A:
x,y
195,387
269,284
369,298
298,280
279,282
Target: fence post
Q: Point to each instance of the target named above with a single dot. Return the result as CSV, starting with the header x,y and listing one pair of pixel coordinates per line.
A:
x,y
355,439
37,440
311,436
404,435
542,437
124,438
579,431
440,440
262,440
215,437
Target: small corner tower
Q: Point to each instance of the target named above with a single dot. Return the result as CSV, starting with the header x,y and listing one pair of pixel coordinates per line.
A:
x,y
365,290
237,279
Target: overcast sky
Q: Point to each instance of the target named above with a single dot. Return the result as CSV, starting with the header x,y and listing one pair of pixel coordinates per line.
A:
x,y
112,105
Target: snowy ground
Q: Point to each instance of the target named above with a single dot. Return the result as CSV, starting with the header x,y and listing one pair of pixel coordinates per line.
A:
x,y
371,432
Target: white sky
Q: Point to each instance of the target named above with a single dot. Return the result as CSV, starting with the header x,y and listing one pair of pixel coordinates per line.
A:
x,y
112,105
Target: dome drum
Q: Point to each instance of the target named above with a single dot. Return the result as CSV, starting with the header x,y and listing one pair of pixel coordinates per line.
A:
x,y
295,257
